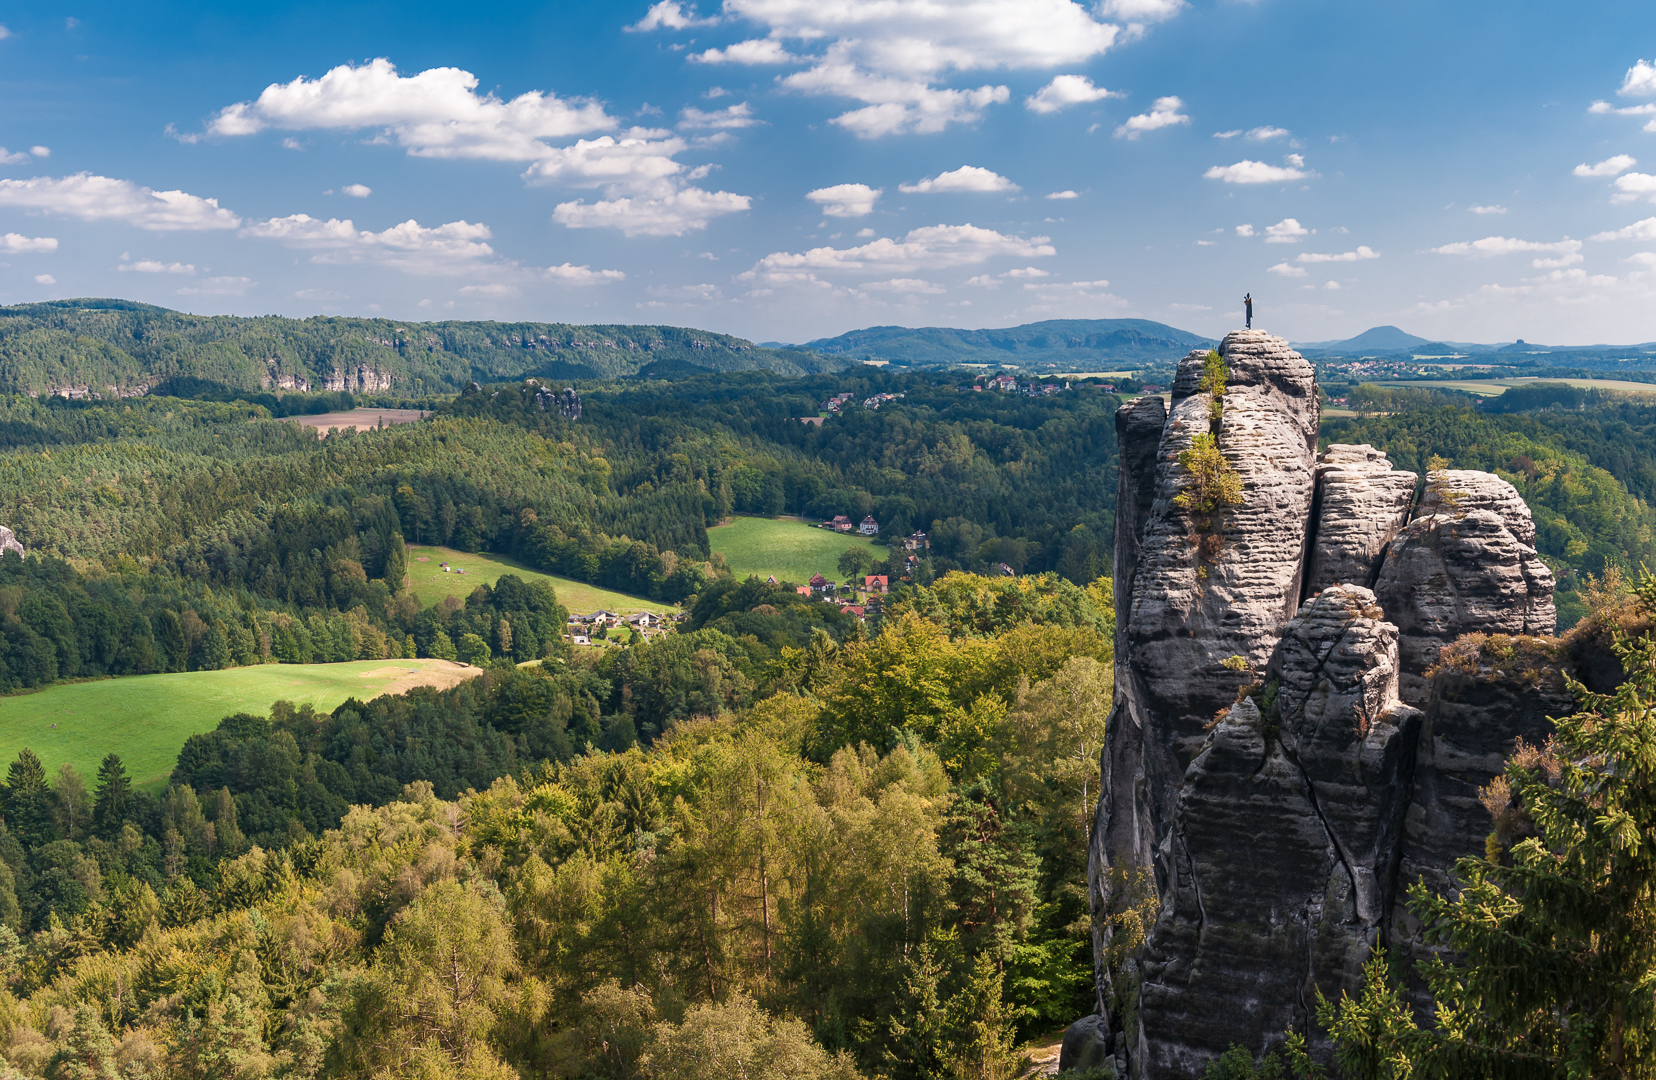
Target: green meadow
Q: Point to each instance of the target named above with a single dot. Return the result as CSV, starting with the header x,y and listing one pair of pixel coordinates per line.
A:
x,y
146,718
429,583
786,547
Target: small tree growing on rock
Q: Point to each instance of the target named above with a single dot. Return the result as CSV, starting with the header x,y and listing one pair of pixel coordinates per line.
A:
x,y
1213,485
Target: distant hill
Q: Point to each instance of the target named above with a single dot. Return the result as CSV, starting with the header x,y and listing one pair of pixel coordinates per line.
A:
x,y
1375,339
1066,342
130,347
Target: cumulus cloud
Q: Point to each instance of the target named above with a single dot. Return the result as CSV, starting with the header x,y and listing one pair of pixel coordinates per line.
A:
x,y
45,279
356,191
155,266
911,286
673,214
1610,166
736,116
1266,134
1286,231
436,113
41,151
1257,172
12,159
1640,80
1233,133
931,247
1164,113
669,15
1491,209
1362,254
1287,270
583,275
1064,91
1141,11
1065,194
757,52
1493,246
101,198
494,289
1630,187
1244,230
457,247
846,200
17,244
968,178
1639,230
891,55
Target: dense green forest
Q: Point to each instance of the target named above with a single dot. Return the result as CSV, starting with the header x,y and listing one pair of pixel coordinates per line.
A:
x,y
118,346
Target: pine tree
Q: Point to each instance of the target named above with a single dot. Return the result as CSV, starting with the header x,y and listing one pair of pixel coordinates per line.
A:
x,y
114,796
26,797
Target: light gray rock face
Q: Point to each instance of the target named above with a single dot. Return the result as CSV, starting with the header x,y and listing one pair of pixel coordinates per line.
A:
x,y
1283,842
1361,504
8,542
1465,563
1276,837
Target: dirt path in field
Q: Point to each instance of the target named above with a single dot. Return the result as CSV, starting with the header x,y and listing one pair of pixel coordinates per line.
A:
x,y
359,418
439,673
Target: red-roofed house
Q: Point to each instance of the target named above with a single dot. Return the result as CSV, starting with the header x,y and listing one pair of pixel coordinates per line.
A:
x,y
869,526
840,523
876,583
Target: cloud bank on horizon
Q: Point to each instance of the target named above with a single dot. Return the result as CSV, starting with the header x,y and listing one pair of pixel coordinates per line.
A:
x,y
788,169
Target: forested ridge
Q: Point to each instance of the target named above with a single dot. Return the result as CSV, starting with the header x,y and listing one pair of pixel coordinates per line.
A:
x,y
131,347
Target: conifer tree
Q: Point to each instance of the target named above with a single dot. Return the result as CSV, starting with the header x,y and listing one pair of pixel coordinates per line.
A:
x,y
114,796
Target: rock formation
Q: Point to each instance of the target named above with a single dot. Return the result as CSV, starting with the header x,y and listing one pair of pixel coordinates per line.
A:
x,y
1269,764
9,542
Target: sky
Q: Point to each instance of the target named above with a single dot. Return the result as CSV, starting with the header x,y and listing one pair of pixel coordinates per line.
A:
x,y
793,169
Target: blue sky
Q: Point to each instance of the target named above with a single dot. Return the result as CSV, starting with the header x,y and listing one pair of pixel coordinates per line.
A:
x,y
789,169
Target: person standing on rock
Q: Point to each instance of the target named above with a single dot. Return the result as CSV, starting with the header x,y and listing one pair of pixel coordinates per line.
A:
x,y
1247,306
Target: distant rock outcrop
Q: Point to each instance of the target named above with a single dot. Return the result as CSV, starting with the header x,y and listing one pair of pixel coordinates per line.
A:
x,y
9,542
1278,759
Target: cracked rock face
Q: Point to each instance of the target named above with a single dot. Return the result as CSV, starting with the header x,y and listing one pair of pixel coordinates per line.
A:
x,y
1276,835
1466,563
8,542
1283,841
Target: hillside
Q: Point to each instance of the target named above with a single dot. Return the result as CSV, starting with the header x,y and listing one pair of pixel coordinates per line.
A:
x,y
98,343
1061,342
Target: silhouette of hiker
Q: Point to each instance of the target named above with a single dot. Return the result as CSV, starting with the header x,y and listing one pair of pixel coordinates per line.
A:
x,y
1247,303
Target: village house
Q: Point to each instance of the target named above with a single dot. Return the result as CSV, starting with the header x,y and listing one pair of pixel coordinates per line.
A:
x,y
820,584
918,541
840,523
869,526
875,583
644,620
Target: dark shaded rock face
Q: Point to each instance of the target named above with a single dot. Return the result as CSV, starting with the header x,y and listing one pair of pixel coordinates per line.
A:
x,y
1266,761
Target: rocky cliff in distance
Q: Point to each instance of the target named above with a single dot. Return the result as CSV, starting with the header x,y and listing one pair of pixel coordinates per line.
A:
x,y
1278,764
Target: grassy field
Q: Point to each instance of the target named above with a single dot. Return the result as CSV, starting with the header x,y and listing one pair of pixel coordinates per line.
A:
x,y
786,547
429,584
146,718
1497,387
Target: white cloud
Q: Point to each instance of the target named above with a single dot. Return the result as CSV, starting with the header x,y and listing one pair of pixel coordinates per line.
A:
x,y
1563,260
736,116
1029,272
494,289
1640,80
968,178
18,244
1630,187
4,33
1233,133
1257,172
1244,230
845,200
1065,194
1286,231
931,247
637,162
583,275
102,198
669,15
1610,166
41,151
897,105
1266,134
45,279
1064,91
1141,11
1491,209
356,191
1164,113
12,159
457,247
905,285
672,214
1331,284
1639,230
437,113
1493,246
1362,254
219,286
155,266
1287,270
757,52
